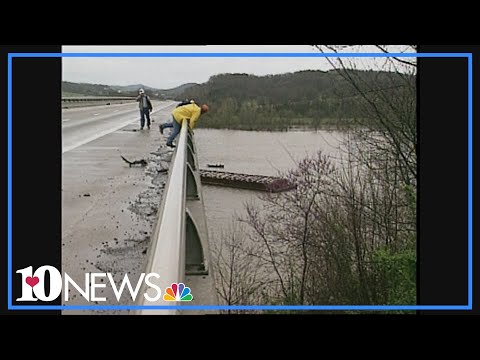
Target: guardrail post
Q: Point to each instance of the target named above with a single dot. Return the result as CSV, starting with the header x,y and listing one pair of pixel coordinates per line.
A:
x,y
194,261
190,141
190,158
192,187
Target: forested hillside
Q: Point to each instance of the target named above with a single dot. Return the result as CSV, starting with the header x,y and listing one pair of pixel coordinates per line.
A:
x,y
305,98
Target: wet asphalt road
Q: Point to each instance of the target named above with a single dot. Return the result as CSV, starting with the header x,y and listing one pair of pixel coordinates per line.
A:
x,y
109,208
82,125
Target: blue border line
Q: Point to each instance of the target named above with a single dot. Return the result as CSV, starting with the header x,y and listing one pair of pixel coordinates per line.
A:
x,y
9,136
470,182
254,55
243,307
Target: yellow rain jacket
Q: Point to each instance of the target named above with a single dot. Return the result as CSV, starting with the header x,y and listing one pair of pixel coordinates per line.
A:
x,y
191,112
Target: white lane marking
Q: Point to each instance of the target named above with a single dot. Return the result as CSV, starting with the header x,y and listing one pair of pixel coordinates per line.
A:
x,y
96,114
103,133
65,120
97,135
157,110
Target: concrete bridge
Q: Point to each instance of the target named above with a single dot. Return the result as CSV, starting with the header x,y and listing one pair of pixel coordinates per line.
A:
x,y
123,219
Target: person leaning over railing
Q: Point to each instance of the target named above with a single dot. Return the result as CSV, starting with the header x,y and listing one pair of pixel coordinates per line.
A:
x,y
191,112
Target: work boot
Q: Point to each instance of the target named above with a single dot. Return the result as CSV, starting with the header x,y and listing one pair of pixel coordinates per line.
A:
x,y
161,129
169,144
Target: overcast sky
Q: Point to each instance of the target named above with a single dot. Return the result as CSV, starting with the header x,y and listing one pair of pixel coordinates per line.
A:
x,y
167,73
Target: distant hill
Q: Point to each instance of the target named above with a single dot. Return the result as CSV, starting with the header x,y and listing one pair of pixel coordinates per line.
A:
x,y
310,98
84,89
81,89
131,88
178,91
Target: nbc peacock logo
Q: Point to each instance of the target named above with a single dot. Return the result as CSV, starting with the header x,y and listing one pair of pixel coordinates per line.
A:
x,y
178,292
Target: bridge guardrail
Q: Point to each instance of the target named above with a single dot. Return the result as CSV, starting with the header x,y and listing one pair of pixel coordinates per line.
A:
x,y
176,245
95,98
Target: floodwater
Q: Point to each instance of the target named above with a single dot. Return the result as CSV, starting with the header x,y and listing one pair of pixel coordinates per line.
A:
x,y
256,153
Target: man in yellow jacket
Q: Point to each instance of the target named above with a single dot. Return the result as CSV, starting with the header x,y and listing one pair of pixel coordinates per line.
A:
x,y
191,112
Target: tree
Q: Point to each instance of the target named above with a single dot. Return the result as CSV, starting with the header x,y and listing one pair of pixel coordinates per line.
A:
x,y
347,233
238,276
388,111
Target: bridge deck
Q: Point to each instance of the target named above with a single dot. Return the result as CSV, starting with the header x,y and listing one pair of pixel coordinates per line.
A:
x,y
245,181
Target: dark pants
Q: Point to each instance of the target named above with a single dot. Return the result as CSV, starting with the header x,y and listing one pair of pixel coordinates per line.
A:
x,y
145,112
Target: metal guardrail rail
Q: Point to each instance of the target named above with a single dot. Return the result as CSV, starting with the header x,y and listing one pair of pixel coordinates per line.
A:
x,y
176,246
96,98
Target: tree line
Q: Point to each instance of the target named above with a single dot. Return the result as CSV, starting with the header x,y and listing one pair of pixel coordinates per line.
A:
x,y
276,102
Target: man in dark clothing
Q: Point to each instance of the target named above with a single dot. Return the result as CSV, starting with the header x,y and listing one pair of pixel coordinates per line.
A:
x,y
145,106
